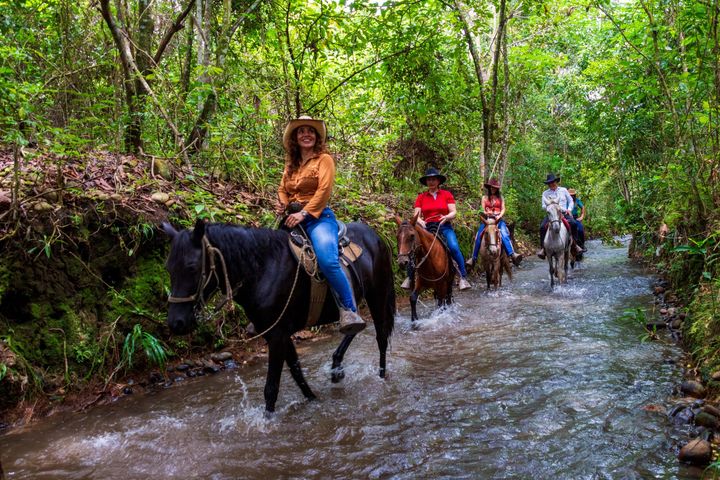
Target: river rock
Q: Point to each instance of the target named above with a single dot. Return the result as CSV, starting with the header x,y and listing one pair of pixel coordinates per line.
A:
x,y
221,356
659,289
663,311
160,197
692,388
676,324
712,410
716,375
696,452
182,367
704,419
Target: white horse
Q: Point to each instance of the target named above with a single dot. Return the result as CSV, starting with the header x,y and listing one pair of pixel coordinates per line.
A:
x,y
557,244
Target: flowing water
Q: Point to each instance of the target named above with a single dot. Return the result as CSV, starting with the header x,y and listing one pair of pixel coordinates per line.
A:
x,y
519,383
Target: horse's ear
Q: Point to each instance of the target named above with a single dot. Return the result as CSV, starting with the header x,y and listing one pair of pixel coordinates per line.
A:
x,y
198,232
168,229
398,220
414,219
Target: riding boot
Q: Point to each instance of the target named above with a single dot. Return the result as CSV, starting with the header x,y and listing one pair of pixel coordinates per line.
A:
x,y
541,253
578,249
463,284
407,284
350,322
516,259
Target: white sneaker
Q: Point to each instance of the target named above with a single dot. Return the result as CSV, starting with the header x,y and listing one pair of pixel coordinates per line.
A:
x,y
407,284
463,285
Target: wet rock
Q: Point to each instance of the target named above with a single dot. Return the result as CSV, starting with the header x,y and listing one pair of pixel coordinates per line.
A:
x,y
712,410
221,356
211,369
155,377
681,414
655,325
230,364
704,419
676,324
693,389
659,289
696,452
191,373
127,390
131,382
178,379
182,367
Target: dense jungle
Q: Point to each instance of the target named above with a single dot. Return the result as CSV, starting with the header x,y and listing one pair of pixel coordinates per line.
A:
x,y
117,115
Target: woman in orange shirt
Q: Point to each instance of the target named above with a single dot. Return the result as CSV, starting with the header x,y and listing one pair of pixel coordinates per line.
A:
x,y
308,179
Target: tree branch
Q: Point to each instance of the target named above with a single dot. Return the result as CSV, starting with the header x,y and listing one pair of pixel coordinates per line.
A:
x,y
171,31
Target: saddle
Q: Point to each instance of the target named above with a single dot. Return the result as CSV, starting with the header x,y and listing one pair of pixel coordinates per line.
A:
x,y
302,249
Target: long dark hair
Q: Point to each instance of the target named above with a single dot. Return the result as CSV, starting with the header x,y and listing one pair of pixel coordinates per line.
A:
x,y
489,193
292,153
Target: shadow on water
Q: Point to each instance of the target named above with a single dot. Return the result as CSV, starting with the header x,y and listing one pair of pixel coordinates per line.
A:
x,y
517,383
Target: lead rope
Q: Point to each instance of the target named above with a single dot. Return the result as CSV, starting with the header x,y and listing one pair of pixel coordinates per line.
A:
x,y
292,290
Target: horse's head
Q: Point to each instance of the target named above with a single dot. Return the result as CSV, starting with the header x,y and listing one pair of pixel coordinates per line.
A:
x,y
554,214
405,241
189,280
491,230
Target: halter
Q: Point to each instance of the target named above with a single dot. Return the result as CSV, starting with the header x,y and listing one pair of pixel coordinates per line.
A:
x,y
208,251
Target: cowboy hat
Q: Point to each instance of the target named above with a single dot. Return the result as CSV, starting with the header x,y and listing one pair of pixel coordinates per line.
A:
x,y
304,121
492,183
572,192
551,178
432,172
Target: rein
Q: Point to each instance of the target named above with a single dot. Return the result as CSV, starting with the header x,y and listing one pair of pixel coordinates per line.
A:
x,y
417,267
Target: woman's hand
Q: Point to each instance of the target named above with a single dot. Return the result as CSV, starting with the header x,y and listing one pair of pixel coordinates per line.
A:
x,y
421,222
293,220
280,208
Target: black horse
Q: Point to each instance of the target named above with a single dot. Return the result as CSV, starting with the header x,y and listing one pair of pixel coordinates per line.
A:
x,y
265,280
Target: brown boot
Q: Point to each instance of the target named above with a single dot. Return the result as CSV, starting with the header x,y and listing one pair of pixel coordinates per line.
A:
x,y
541,253
516,259
463,284
351,322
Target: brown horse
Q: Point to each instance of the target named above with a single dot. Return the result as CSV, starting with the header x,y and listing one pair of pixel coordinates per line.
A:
x,y
493,257
430,263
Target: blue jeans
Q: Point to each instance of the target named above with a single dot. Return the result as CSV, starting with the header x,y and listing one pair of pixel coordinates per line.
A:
x,y
504,235
580,232
451,240
323,234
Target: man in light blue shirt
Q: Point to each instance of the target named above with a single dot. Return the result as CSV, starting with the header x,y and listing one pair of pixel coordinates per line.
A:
x,y
559,194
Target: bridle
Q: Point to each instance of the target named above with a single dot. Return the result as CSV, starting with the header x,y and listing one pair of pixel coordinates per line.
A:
x,y
411,258
208,252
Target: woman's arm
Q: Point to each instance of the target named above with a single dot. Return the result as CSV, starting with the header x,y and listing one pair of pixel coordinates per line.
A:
x,y
452,211
326,180
418,214
582,214
502,211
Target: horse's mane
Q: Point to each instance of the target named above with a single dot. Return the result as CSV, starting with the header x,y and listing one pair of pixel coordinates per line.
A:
x,y
245,249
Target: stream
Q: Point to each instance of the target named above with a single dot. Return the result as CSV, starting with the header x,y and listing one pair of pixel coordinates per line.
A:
x,y
517,383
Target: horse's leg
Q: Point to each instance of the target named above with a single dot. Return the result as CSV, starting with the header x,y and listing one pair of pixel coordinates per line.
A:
x,y
552,270
291,358
413,304
276,359
337,372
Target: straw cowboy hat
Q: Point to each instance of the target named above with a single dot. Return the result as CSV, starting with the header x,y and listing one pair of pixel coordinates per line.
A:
x,y
551,178
494,183
304,121
432,172
572,192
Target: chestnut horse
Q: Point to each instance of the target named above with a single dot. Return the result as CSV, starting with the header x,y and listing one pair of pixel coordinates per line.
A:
x,y
429,261
494,259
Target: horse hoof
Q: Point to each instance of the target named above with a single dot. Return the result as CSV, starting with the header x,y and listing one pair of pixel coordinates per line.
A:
x,y
414,325
269,414
311,398
337,374
382,373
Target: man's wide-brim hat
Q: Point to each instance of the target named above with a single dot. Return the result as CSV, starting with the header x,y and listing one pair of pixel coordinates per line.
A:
x,y
492,183
551,178
432,172
304,121
572,192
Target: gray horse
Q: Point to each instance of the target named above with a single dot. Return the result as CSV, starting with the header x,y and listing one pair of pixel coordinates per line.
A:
x,y
557,244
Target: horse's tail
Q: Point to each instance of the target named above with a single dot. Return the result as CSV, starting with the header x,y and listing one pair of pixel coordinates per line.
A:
x,y
389,303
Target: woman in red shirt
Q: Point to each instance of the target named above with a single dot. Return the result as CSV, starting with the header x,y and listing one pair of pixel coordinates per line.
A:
x,y
436,208
494,207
